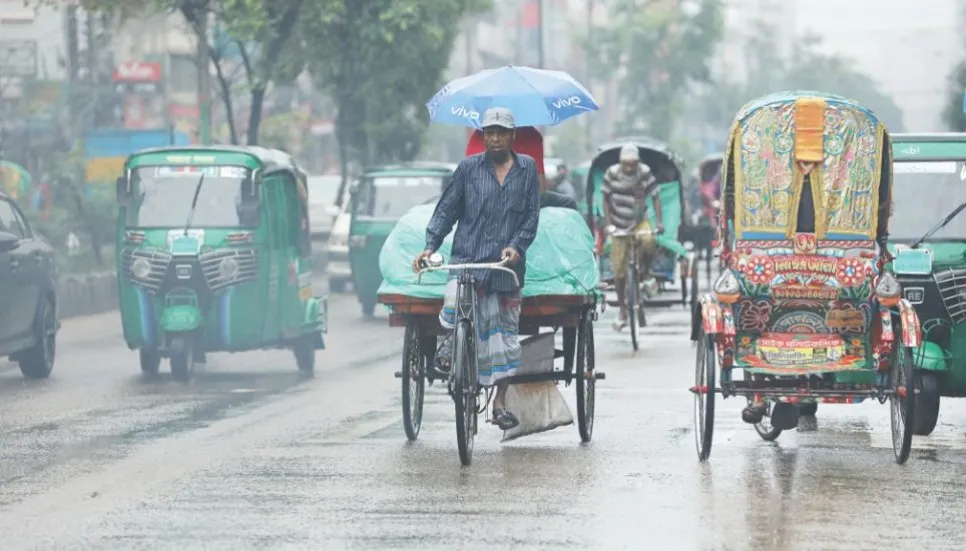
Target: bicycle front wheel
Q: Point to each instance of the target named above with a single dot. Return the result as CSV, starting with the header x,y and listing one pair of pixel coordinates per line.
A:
x,y
465,381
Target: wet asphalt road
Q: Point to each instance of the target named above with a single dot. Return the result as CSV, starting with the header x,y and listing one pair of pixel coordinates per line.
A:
x,y
250,455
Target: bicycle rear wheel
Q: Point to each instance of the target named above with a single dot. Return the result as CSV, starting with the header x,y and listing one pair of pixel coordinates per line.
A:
x,y
465,382
632,295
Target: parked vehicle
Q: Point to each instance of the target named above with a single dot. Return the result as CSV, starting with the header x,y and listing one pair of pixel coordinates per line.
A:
x,y
927,237
337,250
28,294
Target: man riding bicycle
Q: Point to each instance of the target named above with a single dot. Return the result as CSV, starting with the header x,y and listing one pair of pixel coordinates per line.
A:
x,y
627,186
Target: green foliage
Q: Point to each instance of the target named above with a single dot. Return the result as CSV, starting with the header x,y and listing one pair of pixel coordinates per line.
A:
x,y
953,114
665,49
380,61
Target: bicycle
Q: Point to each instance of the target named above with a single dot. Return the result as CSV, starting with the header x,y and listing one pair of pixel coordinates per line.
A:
x,y
632,293
463,383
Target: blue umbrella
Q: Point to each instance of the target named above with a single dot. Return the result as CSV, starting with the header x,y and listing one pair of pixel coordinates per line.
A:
x,y
537,97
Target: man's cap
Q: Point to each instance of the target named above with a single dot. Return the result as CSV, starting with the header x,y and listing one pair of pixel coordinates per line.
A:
x,y
629,152
498,116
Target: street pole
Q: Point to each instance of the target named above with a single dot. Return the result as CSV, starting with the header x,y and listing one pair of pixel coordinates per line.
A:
x,y
588,70
540,54
204,81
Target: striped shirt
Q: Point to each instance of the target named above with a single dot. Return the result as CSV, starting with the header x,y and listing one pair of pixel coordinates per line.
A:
x,y
622,192
491,217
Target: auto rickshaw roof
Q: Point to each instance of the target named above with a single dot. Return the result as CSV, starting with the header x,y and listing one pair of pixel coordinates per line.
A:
x,y
933,146
269,160
790,96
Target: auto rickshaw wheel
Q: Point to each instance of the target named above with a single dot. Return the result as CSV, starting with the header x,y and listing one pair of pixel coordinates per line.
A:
x,y
927,403
413,381
150,359
304,351
585,376
902,402
704,381
182,359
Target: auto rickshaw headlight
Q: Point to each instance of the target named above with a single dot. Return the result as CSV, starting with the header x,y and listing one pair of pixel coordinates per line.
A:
x,y
888,290
140,268
727,288
228,269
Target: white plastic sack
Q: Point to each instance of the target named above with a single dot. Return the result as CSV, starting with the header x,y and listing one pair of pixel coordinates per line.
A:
x,y
539,406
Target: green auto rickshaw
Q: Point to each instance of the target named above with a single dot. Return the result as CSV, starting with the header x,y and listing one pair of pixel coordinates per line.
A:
x,y
214,255
380,197
927,237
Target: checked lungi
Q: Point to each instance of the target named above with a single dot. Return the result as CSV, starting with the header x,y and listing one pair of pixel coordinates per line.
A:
x,y
497,328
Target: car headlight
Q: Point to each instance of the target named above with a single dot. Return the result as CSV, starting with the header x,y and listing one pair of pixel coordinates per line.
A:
x,y
228,268
140,268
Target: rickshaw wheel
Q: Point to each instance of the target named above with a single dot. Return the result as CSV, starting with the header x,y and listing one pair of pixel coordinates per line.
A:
x,y
586,382
704,376
150,360
694,286
413,382
465,384
902,408
764,428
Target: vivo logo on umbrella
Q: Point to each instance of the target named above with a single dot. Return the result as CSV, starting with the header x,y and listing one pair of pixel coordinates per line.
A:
x,y
461,112
567,102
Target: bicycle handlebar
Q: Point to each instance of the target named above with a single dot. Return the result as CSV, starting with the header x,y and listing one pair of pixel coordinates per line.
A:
x,y
638,233
501,265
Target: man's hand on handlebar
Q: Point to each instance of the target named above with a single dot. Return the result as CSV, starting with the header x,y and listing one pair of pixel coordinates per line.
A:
x,y
511,255
421,260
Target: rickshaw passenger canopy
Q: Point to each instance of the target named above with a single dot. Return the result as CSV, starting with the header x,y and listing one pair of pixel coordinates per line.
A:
x,y
779,141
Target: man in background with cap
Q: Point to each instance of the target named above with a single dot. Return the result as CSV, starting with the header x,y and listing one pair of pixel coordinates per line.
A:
x,y
495,197
627,185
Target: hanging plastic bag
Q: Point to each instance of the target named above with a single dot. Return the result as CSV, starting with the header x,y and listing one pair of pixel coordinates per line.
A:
x,y
539,406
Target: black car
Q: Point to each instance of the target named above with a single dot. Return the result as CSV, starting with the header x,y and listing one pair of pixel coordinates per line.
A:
x,y
28,294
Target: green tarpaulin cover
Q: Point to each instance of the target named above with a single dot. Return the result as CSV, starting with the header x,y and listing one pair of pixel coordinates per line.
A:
x,y
560,260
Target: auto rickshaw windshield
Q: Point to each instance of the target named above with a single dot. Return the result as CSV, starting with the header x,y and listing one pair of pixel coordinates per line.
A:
x,y
164,195
393,196
925,192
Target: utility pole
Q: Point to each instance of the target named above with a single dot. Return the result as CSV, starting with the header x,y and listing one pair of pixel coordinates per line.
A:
x,y
204,79
589,49
92,66
540,34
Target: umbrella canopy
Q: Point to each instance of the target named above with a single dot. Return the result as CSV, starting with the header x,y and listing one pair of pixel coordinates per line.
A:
x,y
537,97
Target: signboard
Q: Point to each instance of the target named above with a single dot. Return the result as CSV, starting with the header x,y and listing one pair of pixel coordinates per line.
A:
x,y
923,151
137,71
934,167
18,58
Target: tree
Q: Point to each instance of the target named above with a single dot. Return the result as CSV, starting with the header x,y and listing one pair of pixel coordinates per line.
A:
x,y
953,114
665,48
264,32
380,61
807,69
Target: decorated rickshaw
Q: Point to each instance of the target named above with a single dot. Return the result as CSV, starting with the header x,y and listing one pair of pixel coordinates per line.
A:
x,y
807,305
